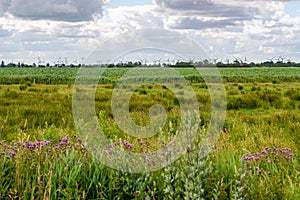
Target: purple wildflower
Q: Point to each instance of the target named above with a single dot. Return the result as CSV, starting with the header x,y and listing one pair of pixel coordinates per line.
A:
x,y
264,151
12,153
65,139
31,145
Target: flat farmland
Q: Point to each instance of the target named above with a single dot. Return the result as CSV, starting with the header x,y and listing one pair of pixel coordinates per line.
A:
x,y
110,75
256,157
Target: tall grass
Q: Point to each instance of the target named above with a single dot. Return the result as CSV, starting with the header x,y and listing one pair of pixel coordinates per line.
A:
x,y
65,169
257,156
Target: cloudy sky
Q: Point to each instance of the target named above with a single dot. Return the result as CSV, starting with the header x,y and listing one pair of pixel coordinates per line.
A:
x,y
72,29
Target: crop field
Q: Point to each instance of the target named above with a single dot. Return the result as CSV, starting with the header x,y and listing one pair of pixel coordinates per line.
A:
x,y
110,75
256,157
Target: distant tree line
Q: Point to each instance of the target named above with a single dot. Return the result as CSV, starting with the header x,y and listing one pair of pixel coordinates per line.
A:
x,y
180,64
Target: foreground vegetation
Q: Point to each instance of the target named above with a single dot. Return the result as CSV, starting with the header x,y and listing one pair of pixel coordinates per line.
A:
x,y
256,157
66,170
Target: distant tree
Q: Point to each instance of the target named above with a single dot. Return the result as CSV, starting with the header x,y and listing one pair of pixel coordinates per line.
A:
x,y
11,65
2,64
183,64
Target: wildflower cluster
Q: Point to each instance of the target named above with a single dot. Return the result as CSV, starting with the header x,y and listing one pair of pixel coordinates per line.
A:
x,y
270,154
270,157
31,149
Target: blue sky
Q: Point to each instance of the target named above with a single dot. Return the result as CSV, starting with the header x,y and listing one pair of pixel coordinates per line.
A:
x,y
71,30
117,3
293,8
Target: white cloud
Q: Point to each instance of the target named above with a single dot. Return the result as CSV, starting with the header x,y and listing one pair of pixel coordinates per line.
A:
x,y
224,28
256,29
205,14
60,10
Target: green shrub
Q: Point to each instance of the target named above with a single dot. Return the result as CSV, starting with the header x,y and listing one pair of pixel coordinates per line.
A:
x,y
243,102
293,94
28,83
23,87
142,91
233,92
270,96
34,90
11,94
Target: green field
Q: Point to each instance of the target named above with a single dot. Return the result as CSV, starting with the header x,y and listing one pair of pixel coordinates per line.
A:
x,y
110,75
256,157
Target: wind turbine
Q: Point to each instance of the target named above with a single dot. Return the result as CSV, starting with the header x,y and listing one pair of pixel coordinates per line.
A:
x,y
236,60
176,60
159,62
145,61
142,62
82,60
227,61
280,59
66,61
121,62
191,60
271,59
154,62
59,62
290,61
99,63
75,61
214,60
40,61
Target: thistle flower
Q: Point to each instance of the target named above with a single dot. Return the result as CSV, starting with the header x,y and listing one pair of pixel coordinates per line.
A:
x,y
65,139
12,153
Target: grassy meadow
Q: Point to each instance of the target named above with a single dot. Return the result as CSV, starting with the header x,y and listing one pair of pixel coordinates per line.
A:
x,y
256,157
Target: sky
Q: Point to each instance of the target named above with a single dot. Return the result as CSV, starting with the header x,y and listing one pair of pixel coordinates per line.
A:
x,y
51,31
